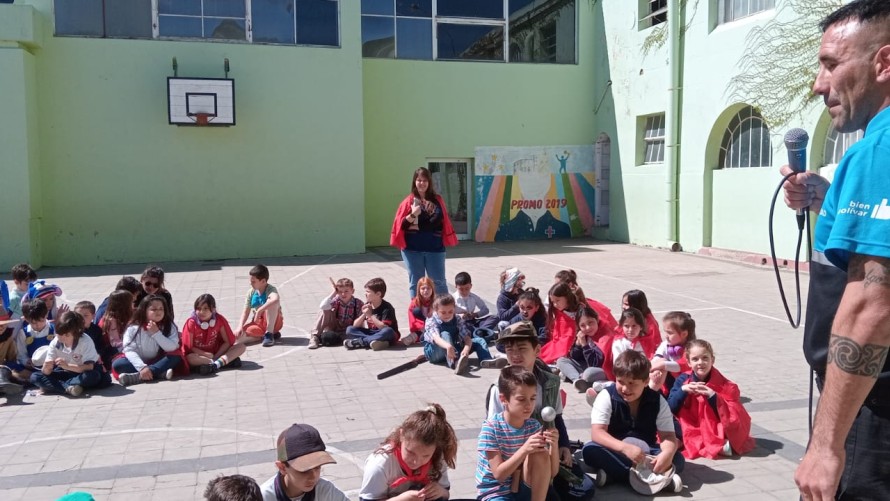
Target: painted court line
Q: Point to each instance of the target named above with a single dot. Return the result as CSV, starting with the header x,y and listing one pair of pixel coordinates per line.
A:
x,y
307,270
647,287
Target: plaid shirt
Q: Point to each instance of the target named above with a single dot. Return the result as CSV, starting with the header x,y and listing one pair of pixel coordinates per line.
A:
x,y
346,313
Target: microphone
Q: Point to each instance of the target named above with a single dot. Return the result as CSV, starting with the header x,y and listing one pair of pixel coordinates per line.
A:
x,y
796,143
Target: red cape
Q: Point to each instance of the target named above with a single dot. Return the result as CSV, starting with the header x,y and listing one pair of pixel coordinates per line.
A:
x,y
605,334
397,234
652,338
415,324
704,432
562,336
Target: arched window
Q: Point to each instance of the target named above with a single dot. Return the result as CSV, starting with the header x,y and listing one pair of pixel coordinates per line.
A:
x,y
746,142
837,143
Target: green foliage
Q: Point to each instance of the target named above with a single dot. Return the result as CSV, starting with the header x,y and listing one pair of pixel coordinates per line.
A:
x,y
658,36
780,61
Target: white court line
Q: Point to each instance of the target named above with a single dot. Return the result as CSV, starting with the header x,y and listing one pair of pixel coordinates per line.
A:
x,y
298,275
132,431
647,287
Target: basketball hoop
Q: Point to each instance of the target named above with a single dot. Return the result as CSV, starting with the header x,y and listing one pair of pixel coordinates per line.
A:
x,y
201,118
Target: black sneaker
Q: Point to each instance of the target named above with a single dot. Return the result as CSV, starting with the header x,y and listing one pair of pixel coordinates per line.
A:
x,y
276,336
207,369
268,340
234,364
353,344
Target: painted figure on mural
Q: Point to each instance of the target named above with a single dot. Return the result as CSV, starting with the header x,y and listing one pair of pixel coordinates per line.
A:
x,y
563,160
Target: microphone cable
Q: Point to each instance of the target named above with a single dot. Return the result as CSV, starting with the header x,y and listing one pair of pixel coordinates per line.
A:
x,y
803,223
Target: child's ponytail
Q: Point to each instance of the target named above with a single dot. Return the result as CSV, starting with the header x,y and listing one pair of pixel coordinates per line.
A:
x,y
429,427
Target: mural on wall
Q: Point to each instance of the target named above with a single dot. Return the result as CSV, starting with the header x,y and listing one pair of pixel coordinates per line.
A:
x,y
537,192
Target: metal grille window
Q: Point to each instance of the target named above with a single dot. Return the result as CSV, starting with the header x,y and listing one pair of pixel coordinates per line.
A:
x,y
654,13
731,10
477,30
285,22
653,137
837,143
746,142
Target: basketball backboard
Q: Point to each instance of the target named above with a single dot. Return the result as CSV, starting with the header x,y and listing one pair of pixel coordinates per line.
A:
x,y
214,98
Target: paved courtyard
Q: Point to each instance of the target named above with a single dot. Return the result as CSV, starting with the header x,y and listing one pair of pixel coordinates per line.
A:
x,y
166,440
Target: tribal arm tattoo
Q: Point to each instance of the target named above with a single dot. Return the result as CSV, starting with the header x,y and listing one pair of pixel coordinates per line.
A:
x,y
853,358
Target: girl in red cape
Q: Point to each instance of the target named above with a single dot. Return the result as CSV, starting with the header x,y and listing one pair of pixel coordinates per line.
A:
x,y
561,313
650,339
607,325
712,417
421,230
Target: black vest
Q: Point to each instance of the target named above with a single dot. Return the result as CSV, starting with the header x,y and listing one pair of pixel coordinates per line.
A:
x,y
623,425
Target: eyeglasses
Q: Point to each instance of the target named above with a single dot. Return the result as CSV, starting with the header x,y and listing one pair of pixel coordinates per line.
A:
x,y
153,285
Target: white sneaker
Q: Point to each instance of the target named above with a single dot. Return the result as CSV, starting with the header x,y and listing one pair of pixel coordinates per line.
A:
x,y
600,477
494,363
168,375
677,483
409,339
727,449
463,363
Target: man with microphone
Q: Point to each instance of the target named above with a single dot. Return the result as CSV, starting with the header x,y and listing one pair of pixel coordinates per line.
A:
x,y
847,331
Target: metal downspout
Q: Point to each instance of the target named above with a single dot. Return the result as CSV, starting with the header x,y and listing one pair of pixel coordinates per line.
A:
x,y
674,120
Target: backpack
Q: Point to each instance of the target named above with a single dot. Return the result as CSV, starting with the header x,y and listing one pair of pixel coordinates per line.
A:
x,y
572,484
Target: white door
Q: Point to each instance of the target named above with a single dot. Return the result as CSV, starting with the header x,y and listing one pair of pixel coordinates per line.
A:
x,y
451,179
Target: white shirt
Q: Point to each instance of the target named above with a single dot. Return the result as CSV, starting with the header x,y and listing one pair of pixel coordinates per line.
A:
x,y
469,304
622,344
324,491
602,412
381,470
83,352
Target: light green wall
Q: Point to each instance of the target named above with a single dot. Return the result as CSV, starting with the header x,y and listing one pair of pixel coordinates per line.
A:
x,y
416,110
734,214
19,153
121,185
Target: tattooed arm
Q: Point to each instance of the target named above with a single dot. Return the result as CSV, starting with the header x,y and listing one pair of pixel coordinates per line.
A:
x,y
856,353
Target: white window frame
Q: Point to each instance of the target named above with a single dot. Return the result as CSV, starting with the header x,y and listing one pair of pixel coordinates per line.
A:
x,y
248,26
837,143
725,9
652,11
650,139
746,114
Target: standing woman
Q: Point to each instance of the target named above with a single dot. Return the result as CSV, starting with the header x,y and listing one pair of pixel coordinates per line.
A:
x,y
422,230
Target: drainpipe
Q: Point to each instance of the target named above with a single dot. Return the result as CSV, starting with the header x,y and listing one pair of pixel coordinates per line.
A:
x,y
674,119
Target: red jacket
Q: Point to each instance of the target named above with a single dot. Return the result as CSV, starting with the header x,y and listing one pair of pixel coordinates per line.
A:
x,y
562,335
704,432
397,234
652,338
415,324
605,334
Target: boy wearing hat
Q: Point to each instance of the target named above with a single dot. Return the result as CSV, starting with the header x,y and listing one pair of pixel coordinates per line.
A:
x,y
301,453
521,344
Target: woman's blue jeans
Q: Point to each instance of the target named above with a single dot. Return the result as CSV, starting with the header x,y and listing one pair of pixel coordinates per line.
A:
x,y
421,264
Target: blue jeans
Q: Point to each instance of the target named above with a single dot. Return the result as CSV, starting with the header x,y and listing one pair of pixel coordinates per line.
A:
x,y
367,335
60,379
420,264
158,368
617,465
437,355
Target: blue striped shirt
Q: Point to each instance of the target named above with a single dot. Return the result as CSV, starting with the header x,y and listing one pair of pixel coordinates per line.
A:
x,y
498,435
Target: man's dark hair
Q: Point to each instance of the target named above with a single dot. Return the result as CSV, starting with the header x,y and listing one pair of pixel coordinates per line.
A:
x,y
512,377
863,11
632,364
233,488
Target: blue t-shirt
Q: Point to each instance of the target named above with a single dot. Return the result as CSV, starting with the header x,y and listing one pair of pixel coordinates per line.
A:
x,y
498,435
855,215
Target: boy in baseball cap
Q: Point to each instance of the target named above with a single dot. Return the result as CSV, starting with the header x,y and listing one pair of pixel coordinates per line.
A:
x,y
301,454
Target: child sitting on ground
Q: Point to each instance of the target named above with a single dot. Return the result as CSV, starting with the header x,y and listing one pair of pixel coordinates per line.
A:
x,y
607,323
87,310
470,307
670,360
301,454
412,463
151,344
447,339
40,290
207,339
512,282
233,488
708,406
517,460
71,362
22,277
583,365
420,309
561,314
531,309
38,332
520,343
118,314
627,421
152,282
376,328
651,338
262,315
633,325
338,311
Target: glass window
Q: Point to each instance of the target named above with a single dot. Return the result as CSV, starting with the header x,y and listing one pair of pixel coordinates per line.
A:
x,y
414,38
79,17
317,22
181,7
378,7
224,8
484,9
414,8
179,26
542,32
470,41
273,21
654,13
746,142
378,37
224,29
731,10
837,143
653,137
128,18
